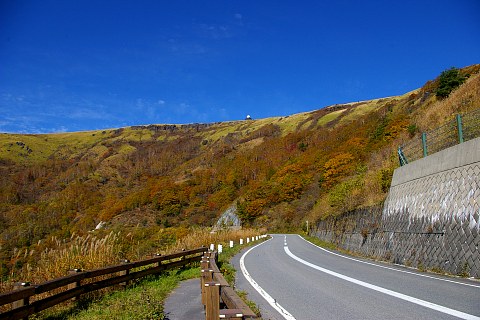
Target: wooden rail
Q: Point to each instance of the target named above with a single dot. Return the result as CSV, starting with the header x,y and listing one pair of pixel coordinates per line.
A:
x,y
73,287
220,300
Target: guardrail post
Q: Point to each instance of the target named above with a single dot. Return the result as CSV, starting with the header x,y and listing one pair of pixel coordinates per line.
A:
x,y
183,257
75,284
156,256
459,128
124,273
424,144
22,302
207,276
204,264
212,308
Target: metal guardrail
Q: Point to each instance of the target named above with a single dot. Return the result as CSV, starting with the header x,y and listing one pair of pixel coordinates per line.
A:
x,y
72,285
462,128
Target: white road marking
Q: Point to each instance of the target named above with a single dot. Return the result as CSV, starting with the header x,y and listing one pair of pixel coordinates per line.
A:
x,y
395,294
389,268
260,290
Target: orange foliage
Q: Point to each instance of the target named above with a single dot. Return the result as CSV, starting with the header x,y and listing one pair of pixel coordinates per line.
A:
x,y
189,175
338,167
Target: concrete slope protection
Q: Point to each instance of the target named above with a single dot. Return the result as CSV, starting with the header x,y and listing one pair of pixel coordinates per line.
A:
x,y
290,278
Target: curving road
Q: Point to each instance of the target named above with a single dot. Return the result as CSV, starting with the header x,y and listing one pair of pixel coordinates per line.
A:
x,y
290,278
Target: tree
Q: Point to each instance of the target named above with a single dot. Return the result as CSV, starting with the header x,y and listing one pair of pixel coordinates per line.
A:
x,y
448,81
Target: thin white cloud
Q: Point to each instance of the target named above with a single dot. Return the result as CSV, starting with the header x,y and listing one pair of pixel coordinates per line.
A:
x,y
87,113
215,32
139,103
182,109
55,129
223,113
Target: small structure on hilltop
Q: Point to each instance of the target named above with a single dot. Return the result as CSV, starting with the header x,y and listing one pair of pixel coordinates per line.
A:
x,y
248,117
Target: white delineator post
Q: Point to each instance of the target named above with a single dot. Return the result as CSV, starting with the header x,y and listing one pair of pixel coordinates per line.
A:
x,y
212,247
220,248
231,244
241,241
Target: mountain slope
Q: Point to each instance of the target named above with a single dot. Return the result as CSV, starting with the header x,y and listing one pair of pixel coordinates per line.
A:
x,y
279,171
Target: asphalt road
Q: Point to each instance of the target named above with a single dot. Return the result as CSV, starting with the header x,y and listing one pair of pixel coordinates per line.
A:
x,y
290,278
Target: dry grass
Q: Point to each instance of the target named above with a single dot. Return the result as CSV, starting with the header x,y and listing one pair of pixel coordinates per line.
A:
x,y
86,253
91,252
462,100
201,237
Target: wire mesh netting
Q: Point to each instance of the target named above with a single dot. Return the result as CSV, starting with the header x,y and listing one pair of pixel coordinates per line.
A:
x,y
464,128
471,125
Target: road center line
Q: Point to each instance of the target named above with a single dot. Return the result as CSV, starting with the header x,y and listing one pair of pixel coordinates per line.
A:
x,y
389,268
260,290
395,294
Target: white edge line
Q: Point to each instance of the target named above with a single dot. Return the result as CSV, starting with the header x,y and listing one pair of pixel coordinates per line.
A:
x,y
395,294
390,268
272,302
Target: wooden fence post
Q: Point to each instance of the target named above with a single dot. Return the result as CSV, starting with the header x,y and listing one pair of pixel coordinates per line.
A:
x,y
22,302
212,308
203,266
124,273
159,262
207,276
75,284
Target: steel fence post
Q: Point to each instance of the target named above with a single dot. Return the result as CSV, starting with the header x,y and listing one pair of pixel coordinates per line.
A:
x,y
459,128
424,144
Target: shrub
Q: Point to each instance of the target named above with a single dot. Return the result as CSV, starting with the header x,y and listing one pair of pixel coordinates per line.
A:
x,y
448,81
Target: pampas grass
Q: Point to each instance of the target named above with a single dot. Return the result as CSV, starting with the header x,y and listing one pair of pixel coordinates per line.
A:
x,y
92,252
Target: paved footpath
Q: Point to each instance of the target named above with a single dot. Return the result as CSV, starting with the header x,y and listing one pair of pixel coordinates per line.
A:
x,y
185,302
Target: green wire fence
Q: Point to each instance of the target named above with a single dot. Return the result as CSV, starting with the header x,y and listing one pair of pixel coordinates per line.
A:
x,y
462,128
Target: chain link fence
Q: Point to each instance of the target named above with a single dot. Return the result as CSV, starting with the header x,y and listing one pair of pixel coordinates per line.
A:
x,y
462,128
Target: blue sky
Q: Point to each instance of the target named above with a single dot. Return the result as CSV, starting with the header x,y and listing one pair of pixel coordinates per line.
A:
x,y
84,65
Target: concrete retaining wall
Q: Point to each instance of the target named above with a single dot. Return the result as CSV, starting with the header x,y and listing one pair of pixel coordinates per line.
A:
x,y
431,218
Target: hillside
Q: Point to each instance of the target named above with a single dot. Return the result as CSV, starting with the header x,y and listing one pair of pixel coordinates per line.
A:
x,y
279,171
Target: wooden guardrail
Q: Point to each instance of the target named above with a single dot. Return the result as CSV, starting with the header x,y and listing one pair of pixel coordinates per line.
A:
x,y
219,299
75,283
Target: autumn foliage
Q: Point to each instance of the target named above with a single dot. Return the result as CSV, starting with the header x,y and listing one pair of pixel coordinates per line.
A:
x,y
141,180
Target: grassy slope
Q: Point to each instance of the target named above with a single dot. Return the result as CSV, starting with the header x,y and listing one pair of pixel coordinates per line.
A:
x,y
144,174
75,144
71,145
